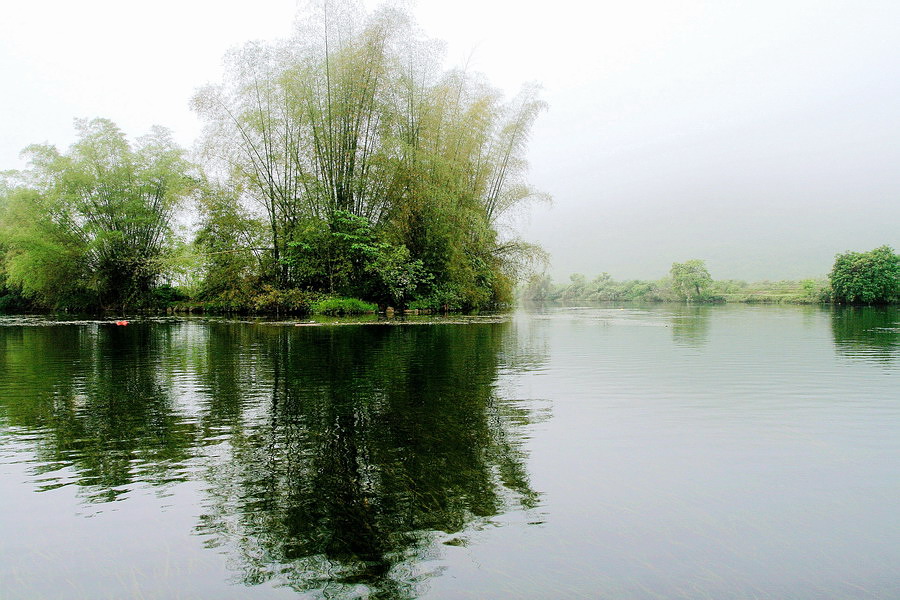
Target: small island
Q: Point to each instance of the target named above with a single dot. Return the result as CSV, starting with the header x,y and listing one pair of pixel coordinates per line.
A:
x,y
340,171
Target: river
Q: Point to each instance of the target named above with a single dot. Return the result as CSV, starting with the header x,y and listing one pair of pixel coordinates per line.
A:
x,y
581,452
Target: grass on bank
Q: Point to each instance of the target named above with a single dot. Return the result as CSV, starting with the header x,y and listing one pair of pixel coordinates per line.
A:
x,y
339,307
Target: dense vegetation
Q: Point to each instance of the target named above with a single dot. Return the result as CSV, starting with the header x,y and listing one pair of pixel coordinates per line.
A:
x,y
866,277
338,163
689,281
339,170
372,175
94,226
857,278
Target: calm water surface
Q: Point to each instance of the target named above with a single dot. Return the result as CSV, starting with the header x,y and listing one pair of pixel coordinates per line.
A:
x,y
663,452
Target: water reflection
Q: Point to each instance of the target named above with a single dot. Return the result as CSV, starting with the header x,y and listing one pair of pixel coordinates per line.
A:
x,y
690,324
333,460
868,332
93,401
372,438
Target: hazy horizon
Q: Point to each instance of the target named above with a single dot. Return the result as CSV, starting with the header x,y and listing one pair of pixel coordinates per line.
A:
x,y
761,138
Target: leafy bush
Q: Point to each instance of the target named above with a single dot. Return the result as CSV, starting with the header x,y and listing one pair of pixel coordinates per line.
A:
x,y
164,295
442,298
12,302
866,277
273,300
604,288
342,306
348,257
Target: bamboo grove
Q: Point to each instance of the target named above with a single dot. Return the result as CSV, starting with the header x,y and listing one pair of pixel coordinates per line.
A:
x,y
340,162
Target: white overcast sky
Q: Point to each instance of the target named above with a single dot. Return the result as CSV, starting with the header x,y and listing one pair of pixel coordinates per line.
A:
x,y
761,136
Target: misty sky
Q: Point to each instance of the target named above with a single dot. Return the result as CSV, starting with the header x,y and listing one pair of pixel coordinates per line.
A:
x,y
762,137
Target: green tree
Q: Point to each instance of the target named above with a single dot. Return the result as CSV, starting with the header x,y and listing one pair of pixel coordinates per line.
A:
x,y
690,280
9,298
866,277
231,243
349,257
88,228
538,288
352,117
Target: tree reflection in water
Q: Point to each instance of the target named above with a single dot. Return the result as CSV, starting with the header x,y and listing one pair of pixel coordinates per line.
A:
x,y
371,440
94,399
332,458
868,332
690,324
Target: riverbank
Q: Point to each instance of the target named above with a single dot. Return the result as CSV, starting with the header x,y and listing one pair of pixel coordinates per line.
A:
x,y
604,289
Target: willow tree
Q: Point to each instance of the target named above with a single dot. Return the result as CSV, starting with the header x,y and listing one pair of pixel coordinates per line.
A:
x,y
88,228
352,117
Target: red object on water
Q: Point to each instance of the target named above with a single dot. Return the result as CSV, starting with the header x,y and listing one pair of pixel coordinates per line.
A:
x,y
121,322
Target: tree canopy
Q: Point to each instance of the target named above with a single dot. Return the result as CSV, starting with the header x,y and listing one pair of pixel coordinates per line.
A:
x,y
89,228
866,277
690,279
351,120
341,161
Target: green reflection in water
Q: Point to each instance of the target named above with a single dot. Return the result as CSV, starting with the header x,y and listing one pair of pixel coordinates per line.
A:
x,y
371,439
868,332
95,401
690,324
333,460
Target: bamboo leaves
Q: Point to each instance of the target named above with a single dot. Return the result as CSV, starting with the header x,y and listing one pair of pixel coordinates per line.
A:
x,y
353,116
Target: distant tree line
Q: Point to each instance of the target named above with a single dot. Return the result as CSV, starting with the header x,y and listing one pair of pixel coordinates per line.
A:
x,y
688,281
339,163
856,278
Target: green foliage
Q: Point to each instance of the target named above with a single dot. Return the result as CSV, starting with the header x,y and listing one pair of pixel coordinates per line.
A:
x,y
866,277
691,280
165,295
272,300
808,291
11,302
346,164
377,177
813,291
538,288
604,288
442,298
88,229
44,260
229,246
347,256
183,268
10,299
342,306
